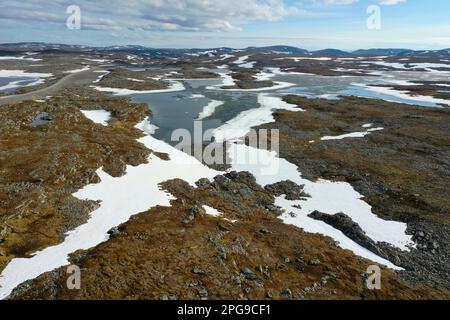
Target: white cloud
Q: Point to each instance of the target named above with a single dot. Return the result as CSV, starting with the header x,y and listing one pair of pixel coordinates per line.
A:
x,y
332,2
390,2
192,15
345,2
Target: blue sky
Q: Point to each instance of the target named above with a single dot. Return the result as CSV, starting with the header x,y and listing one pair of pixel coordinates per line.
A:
x,y
310,24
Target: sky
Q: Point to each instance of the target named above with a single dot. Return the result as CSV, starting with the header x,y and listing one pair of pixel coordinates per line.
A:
x,y
308,24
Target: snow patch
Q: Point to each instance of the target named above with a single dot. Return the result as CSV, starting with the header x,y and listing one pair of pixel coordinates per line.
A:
x,y
394,65
98,116
241,60
242,124
135,80
97,60
103,74
226,56
140,183
211,211
209,109
78,70
173,87
22,74
327,197
404,94
247,65
227,81
298,59
23,58
351,135
267,74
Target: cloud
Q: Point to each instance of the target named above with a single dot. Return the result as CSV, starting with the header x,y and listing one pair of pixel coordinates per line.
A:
x,y
346,2
339,2
167,15
390,2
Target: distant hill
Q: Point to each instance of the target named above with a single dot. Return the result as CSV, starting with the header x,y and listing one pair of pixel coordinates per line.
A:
x,y
445,53
382,52
12,48
279,49
152,52
330,52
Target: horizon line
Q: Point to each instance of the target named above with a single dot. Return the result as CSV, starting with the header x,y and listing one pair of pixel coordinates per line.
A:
x,y
235,48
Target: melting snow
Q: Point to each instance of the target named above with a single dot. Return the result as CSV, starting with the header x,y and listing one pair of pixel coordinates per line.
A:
x,y
135,80
430,66
394,65
22,74
247,65
297,59
97,60
404,94
21,83
78,70
141,184
98,116
211,211
351,135
241,60
228,81
226,56
19,58
326,196
100,77
209,109
242,124
174,86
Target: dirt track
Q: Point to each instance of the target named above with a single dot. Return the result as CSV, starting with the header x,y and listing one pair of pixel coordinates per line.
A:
x,y
79,78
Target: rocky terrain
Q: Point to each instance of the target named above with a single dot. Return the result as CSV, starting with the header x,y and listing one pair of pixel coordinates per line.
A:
x,y
134,80
401,170
185,71
44,162
56,63
434,89
50,149
246,79
179,252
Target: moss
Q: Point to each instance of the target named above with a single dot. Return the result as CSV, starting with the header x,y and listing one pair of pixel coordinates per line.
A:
x,y
410,152
156,251
120,78
42,166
